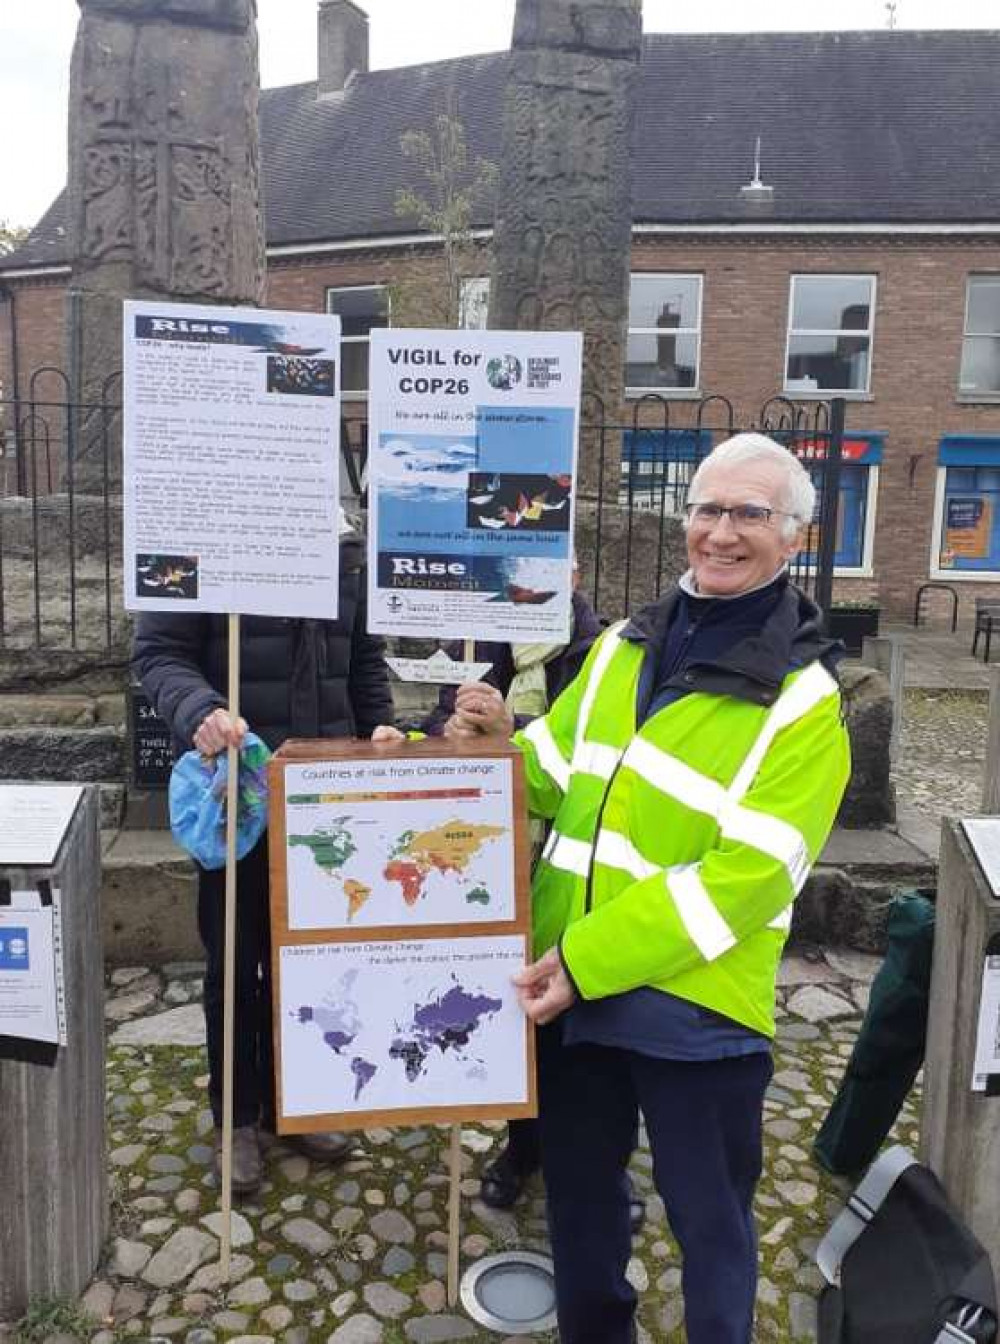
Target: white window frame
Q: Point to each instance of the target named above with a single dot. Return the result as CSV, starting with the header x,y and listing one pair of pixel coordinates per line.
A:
x,y
975,393
354,394
821,393
676,392
934,569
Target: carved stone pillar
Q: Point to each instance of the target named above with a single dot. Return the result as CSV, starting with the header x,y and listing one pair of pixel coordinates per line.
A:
x,y
163,177
564,212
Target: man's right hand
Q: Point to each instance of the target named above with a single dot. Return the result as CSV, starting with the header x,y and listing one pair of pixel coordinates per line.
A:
x,y
385,732
219,731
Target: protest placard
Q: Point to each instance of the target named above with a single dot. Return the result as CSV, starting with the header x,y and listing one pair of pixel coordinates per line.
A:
x,y
231,432
231,460
472,470
399,915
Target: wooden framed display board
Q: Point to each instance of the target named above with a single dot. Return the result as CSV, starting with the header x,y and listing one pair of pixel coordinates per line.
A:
x,y
400,877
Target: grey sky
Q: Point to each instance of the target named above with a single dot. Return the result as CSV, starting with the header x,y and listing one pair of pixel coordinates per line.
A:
x,y
36,37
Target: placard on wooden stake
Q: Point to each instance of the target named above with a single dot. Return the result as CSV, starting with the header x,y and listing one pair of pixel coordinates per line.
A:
x,y
399,914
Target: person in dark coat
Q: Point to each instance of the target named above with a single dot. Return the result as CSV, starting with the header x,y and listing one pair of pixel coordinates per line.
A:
x,y
529,677
298,678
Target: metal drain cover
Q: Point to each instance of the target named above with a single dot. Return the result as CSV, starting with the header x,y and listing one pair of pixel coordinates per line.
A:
x,y
513,1293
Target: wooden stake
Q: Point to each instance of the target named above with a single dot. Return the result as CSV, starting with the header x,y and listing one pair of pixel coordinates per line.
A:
x,y
455,1150
454,1211
229,964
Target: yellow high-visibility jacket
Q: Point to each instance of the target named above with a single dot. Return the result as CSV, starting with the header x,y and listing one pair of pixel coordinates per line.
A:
x,y
677,849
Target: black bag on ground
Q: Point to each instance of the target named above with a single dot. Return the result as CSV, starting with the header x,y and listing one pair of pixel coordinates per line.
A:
x,y
890,1047
901,1266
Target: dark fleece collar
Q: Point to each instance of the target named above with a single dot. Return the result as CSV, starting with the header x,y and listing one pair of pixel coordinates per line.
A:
x,y
754,666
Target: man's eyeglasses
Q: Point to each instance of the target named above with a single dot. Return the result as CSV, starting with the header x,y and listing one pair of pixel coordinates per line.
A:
x,y
744,517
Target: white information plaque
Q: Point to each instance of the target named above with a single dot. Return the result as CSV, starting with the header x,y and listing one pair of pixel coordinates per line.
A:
x,y
33,820
984,837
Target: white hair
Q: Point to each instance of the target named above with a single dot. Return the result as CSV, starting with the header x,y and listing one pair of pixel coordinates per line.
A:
x,y
798,494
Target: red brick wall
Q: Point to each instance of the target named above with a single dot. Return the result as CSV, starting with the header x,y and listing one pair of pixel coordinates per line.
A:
x,y
920,307
921,285
40,326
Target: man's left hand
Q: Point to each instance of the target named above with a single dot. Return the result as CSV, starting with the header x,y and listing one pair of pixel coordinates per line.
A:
x,y
544,990
480,708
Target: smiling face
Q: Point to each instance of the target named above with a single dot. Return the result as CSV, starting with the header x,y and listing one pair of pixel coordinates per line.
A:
x,y
727,562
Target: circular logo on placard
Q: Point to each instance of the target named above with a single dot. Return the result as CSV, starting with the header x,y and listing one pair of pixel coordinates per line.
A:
x,y
503,372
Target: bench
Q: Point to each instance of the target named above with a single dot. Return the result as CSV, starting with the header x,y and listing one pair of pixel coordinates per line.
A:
x,y
936,587
987,617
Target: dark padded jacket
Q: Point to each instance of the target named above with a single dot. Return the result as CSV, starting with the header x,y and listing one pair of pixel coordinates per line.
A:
x,y
298,678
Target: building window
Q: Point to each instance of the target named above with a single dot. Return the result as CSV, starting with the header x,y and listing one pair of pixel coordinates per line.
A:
x,y
967,508
473,302
360,308
830,320
859,468
664,333
980,370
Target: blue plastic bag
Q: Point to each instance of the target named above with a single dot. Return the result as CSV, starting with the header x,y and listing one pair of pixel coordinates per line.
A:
x,y
197,797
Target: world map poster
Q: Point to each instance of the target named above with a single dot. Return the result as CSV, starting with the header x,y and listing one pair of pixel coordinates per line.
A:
x,y
401,1025
400,842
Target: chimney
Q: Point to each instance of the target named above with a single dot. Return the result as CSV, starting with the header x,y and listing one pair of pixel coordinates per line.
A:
x,y
342,45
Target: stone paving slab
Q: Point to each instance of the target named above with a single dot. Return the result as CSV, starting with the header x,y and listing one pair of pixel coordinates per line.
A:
x,y
936,659
356,1254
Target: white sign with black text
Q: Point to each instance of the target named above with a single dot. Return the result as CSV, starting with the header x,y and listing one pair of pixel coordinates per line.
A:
x,y
472,483
32,1001
33,820
231,460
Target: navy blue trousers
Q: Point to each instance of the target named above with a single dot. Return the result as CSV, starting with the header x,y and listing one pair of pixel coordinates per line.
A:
x,y
253,1051
704,1123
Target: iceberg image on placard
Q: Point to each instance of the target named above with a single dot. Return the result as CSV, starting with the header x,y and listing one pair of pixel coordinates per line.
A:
x,y
425,458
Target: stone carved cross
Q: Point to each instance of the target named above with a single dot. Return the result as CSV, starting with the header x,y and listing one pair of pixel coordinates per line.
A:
x,y
564,218
153,193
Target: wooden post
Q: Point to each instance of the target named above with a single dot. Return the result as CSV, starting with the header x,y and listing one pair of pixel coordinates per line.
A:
x,y
229,1008
960,1128
455,1146
885,653
454,1211
53,1176
991,768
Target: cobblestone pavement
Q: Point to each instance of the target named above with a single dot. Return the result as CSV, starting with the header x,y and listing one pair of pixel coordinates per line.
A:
x,y
940,769
356,1254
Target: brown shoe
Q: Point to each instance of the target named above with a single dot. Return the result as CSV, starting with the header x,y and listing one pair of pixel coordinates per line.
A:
x,y
329,1148
247,1167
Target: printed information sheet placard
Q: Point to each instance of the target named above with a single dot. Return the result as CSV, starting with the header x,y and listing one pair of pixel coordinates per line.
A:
x,y
32,998
399,916
472,472
231,460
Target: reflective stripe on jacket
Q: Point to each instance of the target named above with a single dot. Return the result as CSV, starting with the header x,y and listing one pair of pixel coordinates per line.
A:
x,y
677,849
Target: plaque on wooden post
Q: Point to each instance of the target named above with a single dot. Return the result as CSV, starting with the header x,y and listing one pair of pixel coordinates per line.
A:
x,y
52,1161
960,1129
399,915
151,755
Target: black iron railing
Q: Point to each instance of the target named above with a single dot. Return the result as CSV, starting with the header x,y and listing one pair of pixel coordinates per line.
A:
x,y
60,527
